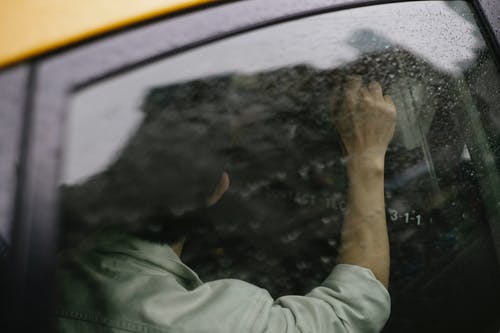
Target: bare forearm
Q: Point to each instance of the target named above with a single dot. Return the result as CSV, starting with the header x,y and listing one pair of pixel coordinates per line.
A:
x,y
365,121
364,232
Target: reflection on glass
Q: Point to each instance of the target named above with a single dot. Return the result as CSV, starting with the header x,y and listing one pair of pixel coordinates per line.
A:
x,y
256,106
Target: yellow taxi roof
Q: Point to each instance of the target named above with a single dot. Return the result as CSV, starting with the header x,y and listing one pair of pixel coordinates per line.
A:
x,y
32,27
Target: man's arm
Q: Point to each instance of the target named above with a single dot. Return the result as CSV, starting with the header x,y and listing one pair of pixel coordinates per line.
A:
x,y
365,122
354,297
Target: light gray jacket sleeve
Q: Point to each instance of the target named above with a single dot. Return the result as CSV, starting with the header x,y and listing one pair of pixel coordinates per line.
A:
x,y
350,300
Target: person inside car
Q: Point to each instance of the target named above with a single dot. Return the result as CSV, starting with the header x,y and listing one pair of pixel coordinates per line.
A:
x,y
136,282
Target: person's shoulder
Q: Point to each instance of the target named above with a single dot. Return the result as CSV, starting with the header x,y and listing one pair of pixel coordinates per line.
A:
x,y
232,283
235,287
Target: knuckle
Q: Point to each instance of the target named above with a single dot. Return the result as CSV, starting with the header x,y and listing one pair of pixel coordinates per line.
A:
x,y
390,113
367,98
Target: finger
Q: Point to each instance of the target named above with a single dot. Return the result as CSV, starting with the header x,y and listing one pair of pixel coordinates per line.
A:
x,y
388,99
364,92
354,82
376,89
352,88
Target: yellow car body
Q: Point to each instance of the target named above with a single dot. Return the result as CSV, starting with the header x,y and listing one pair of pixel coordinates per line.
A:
x,y
30,28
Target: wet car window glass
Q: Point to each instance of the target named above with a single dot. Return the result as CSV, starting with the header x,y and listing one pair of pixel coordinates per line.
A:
x,y
257,106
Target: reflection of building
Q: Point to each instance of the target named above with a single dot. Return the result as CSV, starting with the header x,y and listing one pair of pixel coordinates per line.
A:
x,y
428,177
278,226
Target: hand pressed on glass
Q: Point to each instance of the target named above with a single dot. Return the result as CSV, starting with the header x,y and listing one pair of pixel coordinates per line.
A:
x,y
365,119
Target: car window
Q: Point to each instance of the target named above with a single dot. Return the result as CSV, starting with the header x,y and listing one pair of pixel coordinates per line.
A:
x,y
257,105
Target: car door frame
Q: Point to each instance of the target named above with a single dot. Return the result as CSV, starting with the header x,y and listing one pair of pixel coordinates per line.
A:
x,y
49,80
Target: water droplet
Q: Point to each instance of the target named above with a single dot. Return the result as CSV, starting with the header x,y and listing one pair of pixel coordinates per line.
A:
x,y
325,260
301,265
290,237
326,220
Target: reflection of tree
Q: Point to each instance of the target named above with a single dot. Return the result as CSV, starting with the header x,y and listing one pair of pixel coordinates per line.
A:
x,y
278,225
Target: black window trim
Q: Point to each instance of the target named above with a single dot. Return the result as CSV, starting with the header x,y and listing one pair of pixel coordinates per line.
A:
x,y
14,102
489,14
56,75
14,87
